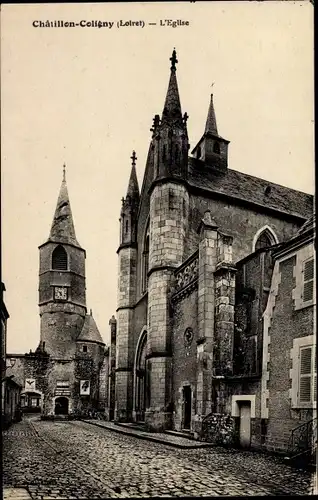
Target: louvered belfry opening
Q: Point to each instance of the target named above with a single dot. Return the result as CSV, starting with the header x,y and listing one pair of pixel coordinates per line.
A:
x,y
59,259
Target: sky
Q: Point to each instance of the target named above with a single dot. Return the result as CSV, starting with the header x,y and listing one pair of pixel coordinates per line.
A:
x,y
86,96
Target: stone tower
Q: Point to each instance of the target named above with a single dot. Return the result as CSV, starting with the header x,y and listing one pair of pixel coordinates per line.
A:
x,y
127,257
169,209
62,297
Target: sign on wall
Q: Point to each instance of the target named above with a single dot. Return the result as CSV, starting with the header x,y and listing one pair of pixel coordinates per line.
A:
x,y
30,384
85,387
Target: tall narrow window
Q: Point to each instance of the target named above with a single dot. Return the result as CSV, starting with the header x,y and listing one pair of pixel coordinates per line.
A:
x,y
176,153
145,262
305,374
216,148
59,259
308,289
263,241
164,152
126,226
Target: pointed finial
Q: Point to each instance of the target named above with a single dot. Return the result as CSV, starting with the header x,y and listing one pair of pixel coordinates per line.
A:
x,y
133,158
64,168
91,312
173,60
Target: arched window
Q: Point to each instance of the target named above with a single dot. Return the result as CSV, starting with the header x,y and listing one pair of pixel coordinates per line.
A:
x,y
126,227
145,262
264,240
176,153
59,259
216,148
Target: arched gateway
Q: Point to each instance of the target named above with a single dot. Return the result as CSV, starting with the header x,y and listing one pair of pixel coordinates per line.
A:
x,y
61,406
141,379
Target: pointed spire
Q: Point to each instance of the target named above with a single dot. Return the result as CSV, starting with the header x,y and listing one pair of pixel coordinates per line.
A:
x,y
211,126
62,229
172,106
133,188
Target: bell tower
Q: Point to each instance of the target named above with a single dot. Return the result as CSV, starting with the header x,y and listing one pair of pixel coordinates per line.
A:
x,y
62,296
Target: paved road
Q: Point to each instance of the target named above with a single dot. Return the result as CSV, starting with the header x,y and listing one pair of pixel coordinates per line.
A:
x,y
75,460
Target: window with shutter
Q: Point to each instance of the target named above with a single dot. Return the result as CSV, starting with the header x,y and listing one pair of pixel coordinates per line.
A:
x,y
305,375
314,375
308,290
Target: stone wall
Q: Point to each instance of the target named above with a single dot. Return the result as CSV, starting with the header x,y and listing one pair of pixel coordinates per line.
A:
x,y
184,351
286,325
240,222
48,373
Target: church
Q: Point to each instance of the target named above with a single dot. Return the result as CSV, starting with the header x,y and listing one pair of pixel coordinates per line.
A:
x,y
68,372
196,259
214,335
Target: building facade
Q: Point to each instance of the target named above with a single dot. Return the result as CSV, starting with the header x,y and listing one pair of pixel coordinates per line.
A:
x,y
289,395
68,372
194,280
10,389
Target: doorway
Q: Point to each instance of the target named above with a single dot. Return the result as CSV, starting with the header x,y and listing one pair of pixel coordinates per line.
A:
x,y
245,424
61,406
187,403
141,389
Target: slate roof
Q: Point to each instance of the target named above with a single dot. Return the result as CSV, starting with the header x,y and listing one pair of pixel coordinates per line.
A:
x,y
248,188
310,224
90,331
62,229
133,188
210,126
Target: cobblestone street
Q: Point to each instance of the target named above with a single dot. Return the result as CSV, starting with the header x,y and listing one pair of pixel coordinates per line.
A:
x,y
56,460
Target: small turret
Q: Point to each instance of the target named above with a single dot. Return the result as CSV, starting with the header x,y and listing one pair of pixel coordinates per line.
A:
x,y
212,149
129,209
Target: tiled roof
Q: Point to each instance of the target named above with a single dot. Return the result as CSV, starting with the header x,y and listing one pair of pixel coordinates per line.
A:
x,y
90,331
252,189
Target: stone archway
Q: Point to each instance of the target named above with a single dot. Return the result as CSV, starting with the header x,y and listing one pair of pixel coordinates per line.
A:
x,y
61,406
141,393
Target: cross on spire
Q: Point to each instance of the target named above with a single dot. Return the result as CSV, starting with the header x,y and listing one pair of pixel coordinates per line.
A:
x,y
173,60
64,168
133,158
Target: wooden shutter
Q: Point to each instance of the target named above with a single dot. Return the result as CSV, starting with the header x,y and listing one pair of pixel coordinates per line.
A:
x,y
315,375
305,375
308,292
